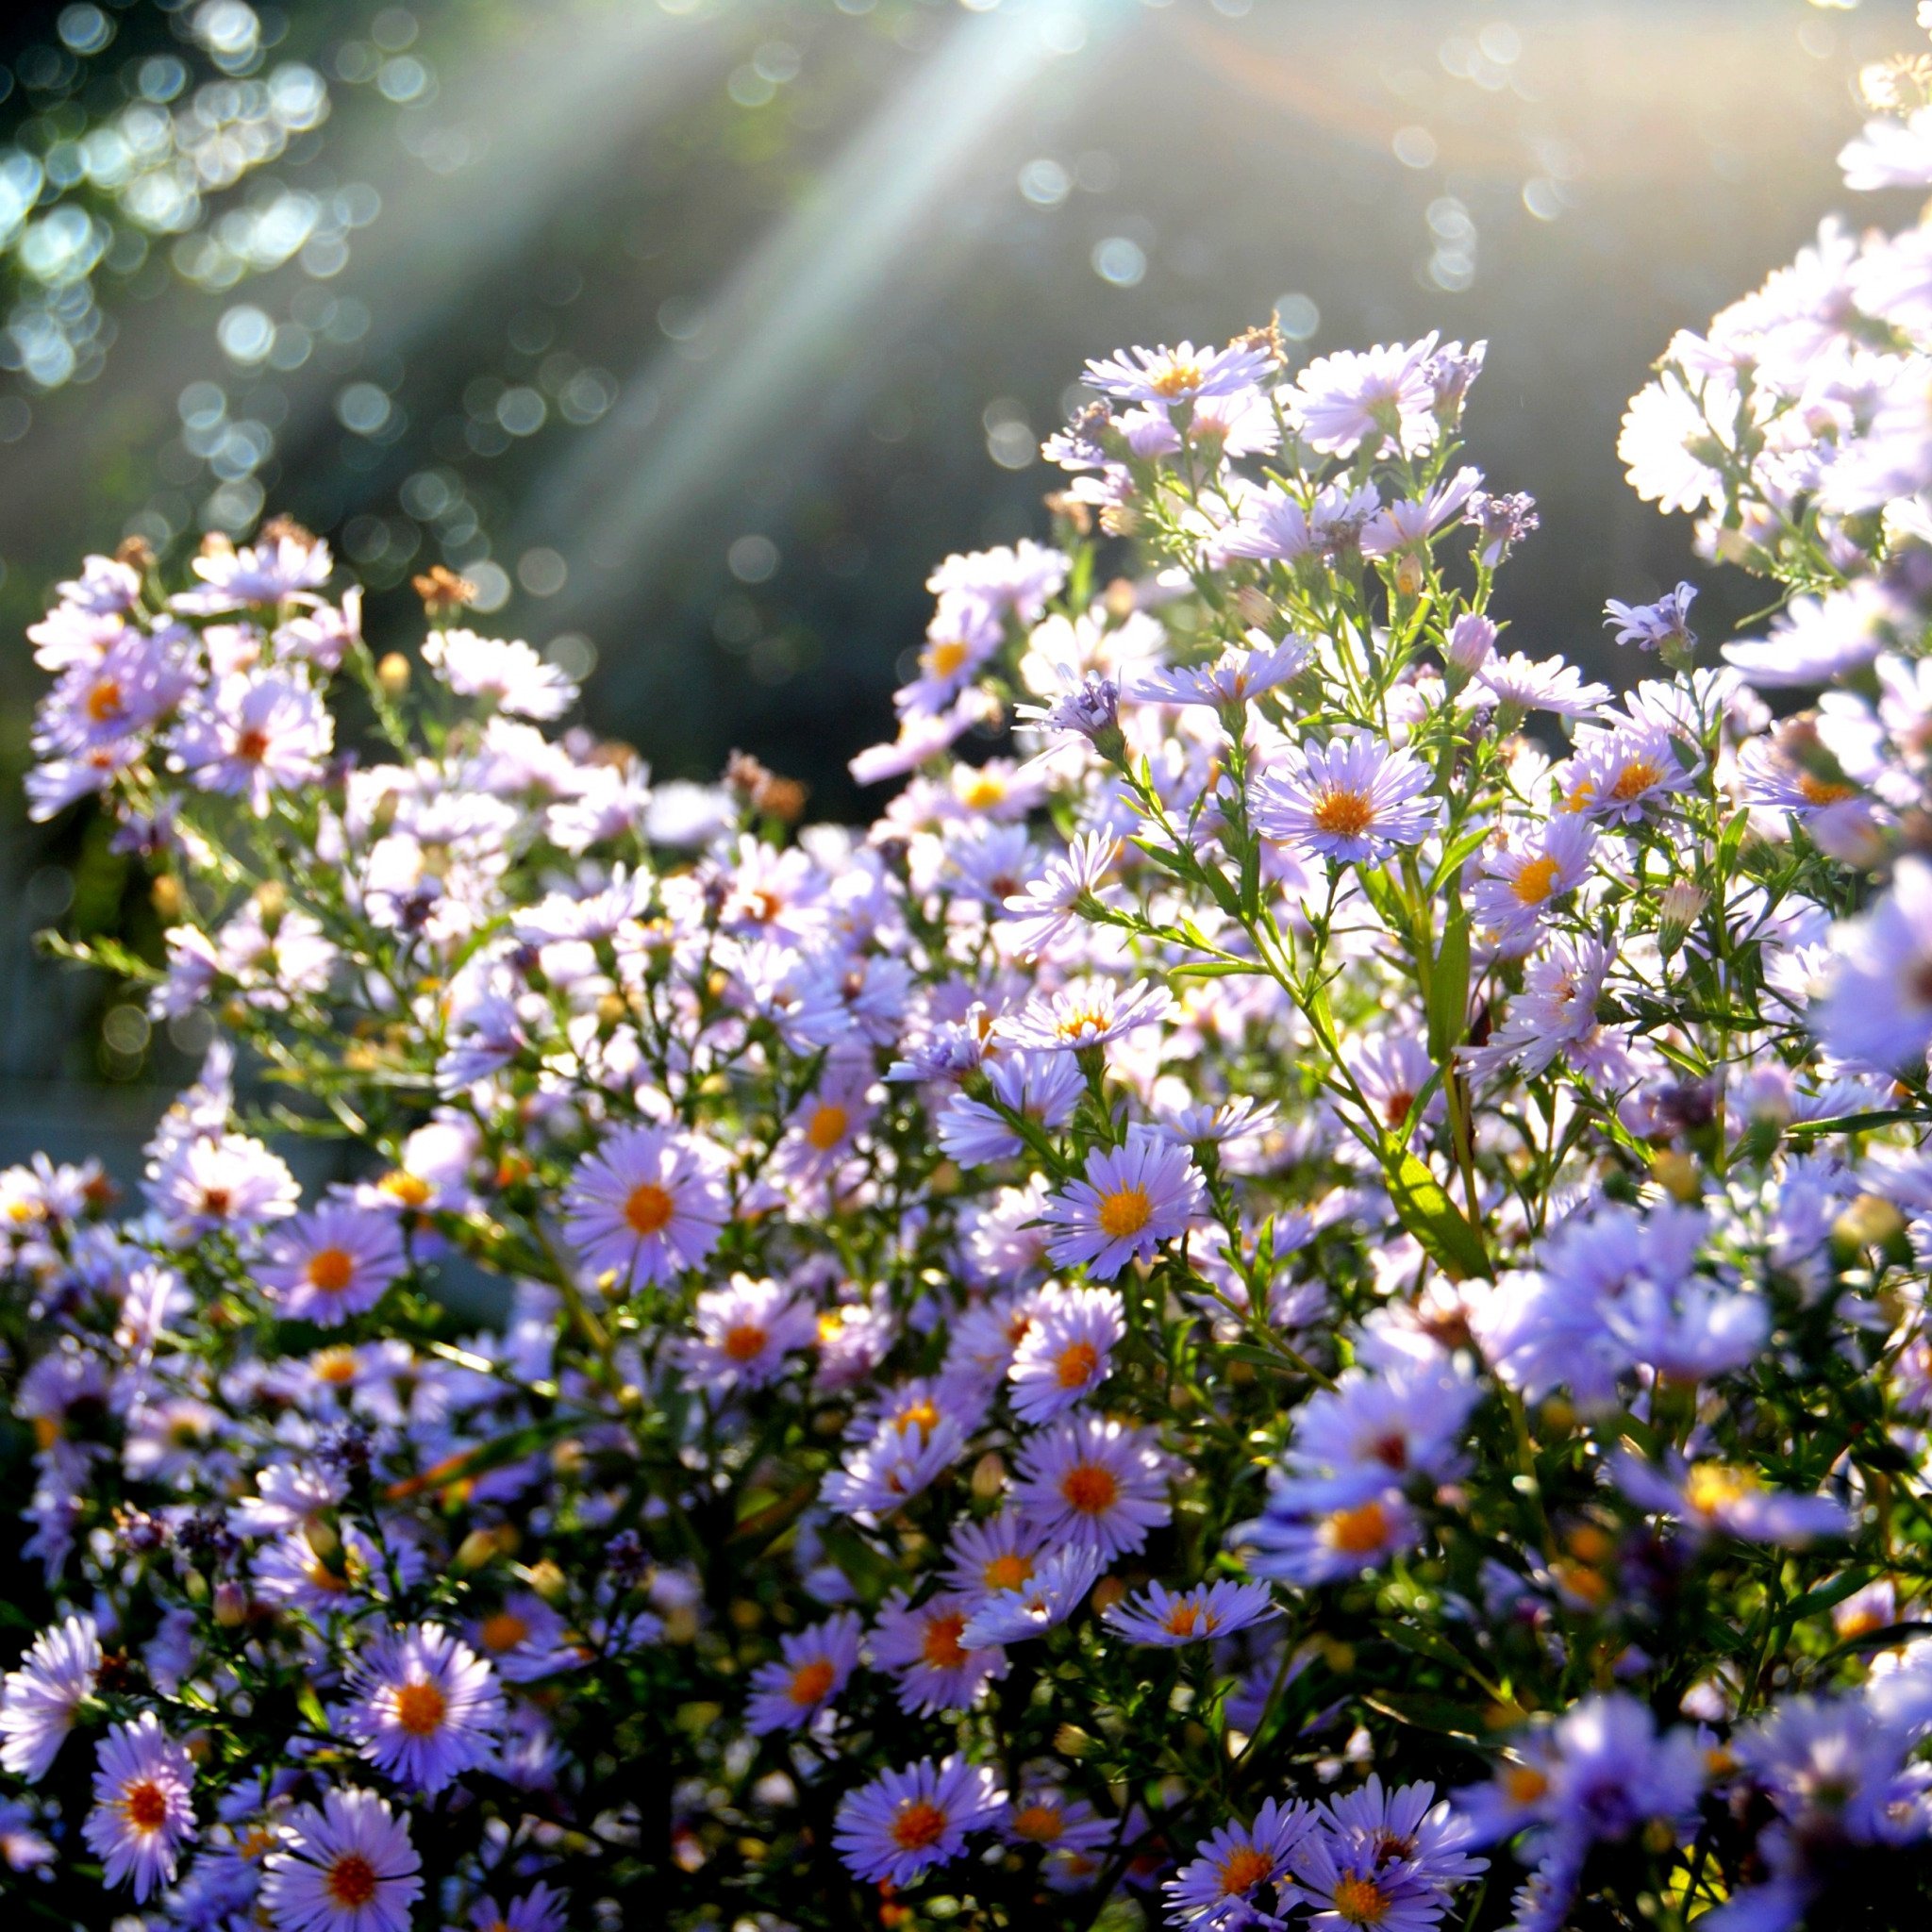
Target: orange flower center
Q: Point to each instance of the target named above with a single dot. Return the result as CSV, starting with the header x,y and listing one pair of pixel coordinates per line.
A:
x,y
146,1806
1242,1870
1089,1488
746,1342
828,1126
252,746
1183,1619
1343,814
810,1683
337,1365
1533,883
940,1644
1358,1531
647,1207
350,1880
921,1415
1040,1822
1635,779
330,1269
1823,792
1360,1901
1124,1212
1077,1364
918,1825
942,658
504,1631
1524,1783
420,1709
104,700
1008,1571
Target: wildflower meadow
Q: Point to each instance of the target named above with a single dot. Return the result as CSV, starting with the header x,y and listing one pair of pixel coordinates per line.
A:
x,y
1293,1294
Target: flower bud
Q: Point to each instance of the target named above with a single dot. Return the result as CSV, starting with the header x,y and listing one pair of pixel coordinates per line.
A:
x,y
392,673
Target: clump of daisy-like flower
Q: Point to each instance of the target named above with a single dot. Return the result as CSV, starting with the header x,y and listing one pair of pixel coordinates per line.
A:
x,y
1292,1295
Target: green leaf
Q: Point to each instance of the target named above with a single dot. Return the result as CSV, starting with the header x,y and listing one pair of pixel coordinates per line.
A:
x,y
1449,991
1453,857
1428,1213
1426,1712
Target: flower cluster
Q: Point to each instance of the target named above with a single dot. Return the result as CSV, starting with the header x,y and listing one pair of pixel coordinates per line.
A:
x,y
1294,1297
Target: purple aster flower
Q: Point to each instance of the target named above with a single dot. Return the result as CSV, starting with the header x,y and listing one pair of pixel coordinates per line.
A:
x,y
1519,884
924,1649
285,562
1501,522
1017,578
333,1263
1663,625
812,1669
1000,1554
904,1822
345,1866
1133,1198
143,1812
254,735
903,1459
1056,1587
645,1205
1312,1532
1087,1013
541,1910
1179,374
1236,678
1221,1885
1049,906
1171,1617
1040,1086
40,1699
130,689
1353,800
1094,1483
1879,1009
1272,525
1519,683
426,1707
226,1181
1381,1858
746,1333
1729,1498
504,672
1382,396
1087,712
1062,1358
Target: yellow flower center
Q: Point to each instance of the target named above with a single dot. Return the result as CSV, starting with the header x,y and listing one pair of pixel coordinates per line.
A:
x,y
331,1270
334,1365
407,1188
942,658
1343,814
647,1207
1124,1212
1711,1485
982,791
1533,883
1635,779
1176,379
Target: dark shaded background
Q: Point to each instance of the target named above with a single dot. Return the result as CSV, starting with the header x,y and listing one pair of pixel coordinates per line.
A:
x,y
699,330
